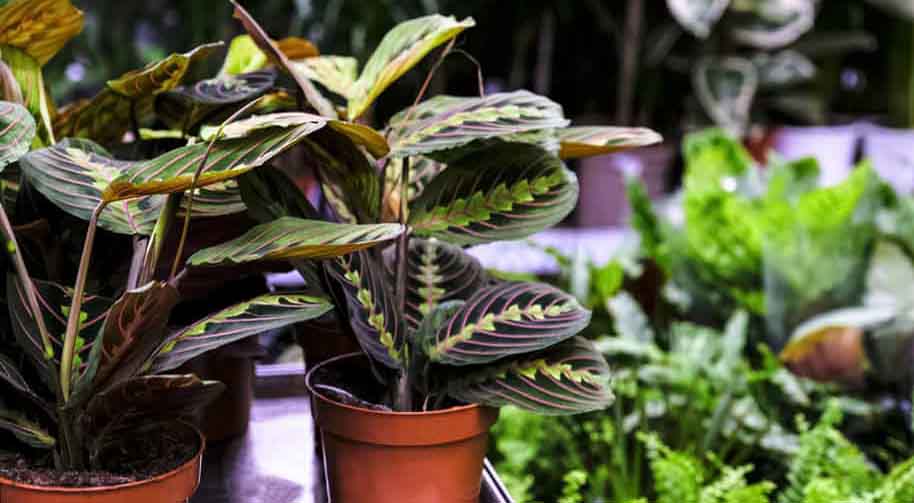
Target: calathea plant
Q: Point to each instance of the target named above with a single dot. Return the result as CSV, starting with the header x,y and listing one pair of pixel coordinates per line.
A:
x,y
459,171
86,375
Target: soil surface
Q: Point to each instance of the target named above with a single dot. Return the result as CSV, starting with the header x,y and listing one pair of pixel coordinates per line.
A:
x,y
146,456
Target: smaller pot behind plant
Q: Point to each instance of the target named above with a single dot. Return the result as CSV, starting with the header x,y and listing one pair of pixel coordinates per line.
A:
x,y
176,486
396,457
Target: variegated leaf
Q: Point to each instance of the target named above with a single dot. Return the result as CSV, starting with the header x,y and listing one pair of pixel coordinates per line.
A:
x,y
400,49
186,106
444,123
150,397
159,76
27,432
27,71
568,379
39,27
135,327
587,141
17,129
375,320
438,272
103,118
507,319
507,191
276,56
10,90
337,73
698,16
258,315
772,24
296,238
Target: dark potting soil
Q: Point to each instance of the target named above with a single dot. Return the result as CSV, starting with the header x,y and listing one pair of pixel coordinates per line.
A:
x,y
146,456
350,382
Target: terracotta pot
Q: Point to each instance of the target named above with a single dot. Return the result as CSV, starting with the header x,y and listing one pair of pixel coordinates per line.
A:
x,y
176,486
400,457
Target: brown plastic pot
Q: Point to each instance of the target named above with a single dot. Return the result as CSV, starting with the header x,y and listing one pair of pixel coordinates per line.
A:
x,y
176,486
400,457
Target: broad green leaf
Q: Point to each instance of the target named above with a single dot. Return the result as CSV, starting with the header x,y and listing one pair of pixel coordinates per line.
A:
x,y
296,238
507,319
772,24
39,27
243,56
698,16
568,379
150,397
337,73
134,329
159,76
818,329
726,89
27,432
448,122
507,191
438,272
375,320
27,71
17,129
400,49
278,58
174,171
586,141
258,315
186,106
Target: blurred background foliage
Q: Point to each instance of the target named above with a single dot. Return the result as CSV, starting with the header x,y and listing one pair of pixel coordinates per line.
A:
x,y
623,60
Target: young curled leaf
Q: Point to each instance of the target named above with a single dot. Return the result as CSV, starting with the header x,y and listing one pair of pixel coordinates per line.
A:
x,y
587,141
570,378
507,191
296,238
507,319
159,76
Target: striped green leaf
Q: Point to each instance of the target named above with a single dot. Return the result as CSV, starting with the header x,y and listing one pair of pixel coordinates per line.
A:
x,y
253,317
438,272
587,141
337,73
148,398
40,28
507,319
17,129
570,378
104,118
159,76
27,432
374,318
296,238
400,49
447,122
507,191
134,328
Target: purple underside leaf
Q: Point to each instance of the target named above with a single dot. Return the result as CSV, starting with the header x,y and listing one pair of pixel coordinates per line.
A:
x,y
569,378
507,319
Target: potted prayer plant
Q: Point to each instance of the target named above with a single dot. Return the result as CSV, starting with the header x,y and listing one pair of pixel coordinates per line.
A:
x,y
443,343
90,405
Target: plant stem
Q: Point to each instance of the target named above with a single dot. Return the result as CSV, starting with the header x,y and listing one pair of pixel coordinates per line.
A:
x,y
25,280
69,342
71,445
404,401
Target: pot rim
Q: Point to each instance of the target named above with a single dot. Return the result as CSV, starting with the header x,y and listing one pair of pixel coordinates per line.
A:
x,y
314,393
127,485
